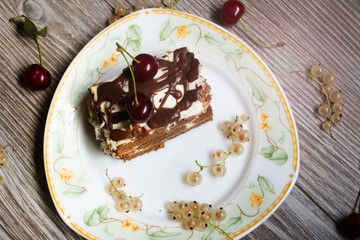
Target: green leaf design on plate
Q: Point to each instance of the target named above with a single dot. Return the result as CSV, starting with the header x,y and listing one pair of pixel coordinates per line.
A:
x,y
58,142
92,218
103,211
257,91
232,225
267,184
238,53
163,235
135,45
279,157
134,32
267,152
164,29
208,235
74,192
216,40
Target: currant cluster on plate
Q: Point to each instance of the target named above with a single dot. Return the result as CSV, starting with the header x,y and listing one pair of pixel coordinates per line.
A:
x,y
121,11
4,159
124,203
195,216
333,108
36,76
143,68
238,135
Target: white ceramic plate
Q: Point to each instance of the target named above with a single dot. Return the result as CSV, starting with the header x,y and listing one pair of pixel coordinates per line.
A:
x,y
256,182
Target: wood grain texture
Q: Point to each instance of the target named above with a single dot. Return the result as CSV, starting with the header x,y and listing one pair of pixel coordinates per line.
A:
x,y
324,31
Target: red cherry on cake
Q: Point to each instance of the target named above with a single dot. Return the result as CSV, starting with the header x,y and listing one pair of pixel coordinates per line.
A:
x,y
37,77
145,67
140,111
350,226
231,12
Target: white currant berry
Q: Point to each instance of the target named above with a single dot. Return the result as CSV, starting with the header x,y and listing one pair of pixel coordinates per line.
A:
x,y
237,149
219,170
194,205
220,155
140,6
318,70
4,159
205,216
244,118
188,212
338,107
118,182
159,5
194,178
123,205
219,214
168,3
120,10
327,88
335,95
329,78
326,125
136,204
324,110
336,118
181,205
110,189
204,207
177,216
236,128
203,225
113,19
243,136
191,223
171,206
226,126
119,195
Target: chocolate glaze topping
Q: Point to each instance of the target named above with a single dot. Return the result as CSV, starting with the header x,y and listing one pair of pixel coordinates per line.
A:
x,y
183,70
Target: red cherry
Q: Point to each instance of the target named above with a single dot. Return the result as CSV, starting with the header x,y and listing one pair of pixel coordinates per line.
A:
x,y
350,225
146,68
37,77
231,12
140,112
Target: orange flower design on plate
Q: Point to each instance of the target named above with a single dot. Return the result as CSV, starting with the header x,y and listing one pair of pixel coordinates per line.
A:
x,y
182,32
255,199
106,63
114,58
66,175
264,117
265,126
128,223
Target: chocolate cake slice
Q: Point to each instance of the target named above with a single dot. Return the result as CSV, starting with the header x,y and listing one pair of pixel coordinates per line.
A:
x,y
180,96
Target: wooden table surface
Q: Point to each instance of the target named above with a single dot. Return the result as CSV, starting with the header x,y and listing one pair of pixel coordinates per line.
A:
x,y
324,31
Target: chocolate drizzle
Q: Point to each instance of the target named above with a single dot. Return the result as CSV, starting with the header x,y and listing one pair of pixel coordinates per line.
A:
x,y
182,71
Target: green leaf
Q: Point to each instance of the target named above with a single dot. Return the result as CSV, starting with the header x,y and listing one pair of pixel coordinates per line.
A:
x,y
238,53
73,192
42,32
91,218
163,235
164,29
208,235
135,45
30,27
134,32
58,142
103,211
257,92
279,157
267,152
216,40
232,225
267,184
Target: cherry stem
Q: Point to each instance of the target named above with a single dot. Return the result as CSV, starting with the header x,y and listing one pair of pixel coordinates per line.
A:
x,y
281,44
38,45
119,46
327,98
120,49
